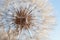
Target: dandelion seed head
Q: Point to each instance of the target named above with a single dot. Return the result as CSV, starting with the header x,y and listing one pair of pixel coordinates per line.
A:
x,y
26,20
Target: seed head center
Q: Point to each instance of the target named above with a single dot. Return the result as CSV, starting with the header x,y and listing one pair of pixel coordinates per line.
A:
x,y
22,18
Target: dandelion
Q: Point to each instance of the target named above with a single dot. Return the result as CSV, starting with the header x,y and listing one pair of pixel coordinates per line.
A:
x,y
26,20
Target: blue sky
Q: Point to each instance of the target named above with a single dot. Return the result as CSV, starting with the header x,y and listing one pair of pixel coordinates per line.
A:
x,y
56,32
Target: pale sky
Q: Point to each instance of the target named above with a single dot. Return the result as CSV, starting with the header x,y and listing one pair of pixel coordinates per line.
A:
x,y
55,35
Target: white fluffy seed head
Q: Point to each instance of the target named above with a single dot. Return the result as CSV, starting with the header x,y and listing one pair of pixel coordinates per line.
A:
x,y
40,12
